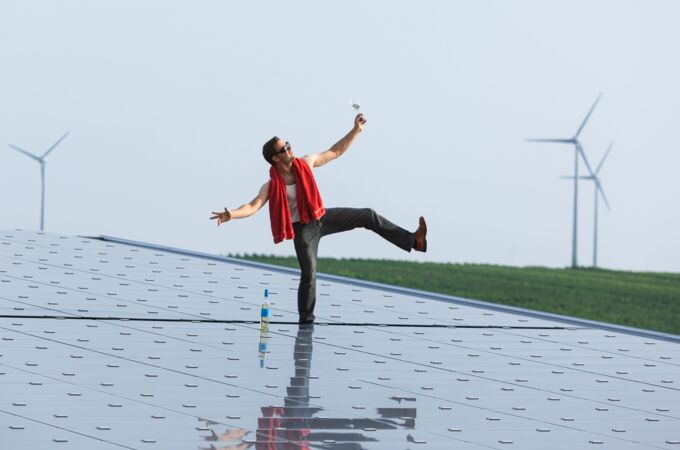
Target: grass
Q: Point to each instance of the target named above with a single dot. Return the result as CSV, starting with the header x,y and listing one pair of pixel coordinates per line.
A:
x,y
639,299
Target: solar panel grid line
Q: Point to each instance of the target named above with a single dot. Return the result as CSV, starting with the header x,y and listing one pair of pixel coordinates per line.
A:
x,y
292,312
492,351
661,386
116,356
492,415
120,300
623,352
65,436
137,401
477,376
85,298
444,368
108,246
413,292
657,385
357,282
552,364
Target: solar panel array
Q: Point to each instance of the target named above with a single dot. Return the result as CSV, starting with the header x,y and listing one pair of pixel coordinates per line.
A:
x,y
104,345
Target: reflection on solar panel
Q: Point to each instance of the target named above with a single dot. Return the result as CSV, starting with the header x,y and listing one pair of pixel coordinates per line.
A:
x,y
108,345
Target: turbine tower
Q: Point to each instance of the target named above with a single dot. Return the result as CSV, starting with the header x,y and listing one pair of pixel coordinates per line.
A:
x,y
578,150
598,190
41,160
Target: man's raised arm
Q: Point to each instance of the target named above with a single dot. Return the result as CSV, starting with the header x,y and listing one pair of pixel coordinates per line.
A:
x,y
245,210
340,147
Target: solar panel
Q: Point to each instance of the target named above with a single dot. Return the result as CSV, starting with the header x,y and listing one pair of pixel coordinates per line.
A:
x,y
107,345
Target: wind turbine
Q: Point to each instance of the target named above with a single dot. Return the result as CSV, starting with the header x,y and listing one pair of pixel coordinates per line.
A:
x,y
41,160
598,190
578,150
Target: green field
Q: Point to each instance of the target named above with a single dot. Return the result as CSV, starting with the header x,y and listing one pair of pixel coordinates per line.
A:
x,y
639,299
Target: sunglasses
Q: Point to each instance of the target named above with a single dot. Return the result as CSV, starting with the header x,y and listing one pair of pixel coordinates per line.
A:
x,y
285,148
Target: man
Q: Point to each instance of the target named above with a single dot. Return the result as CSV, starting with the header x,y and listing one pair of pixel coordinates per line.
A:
x,y
297,212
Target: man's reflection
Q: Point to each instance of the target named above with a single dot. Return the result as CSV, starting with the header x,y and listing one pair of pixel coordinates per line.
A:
x,y
294,426
230,439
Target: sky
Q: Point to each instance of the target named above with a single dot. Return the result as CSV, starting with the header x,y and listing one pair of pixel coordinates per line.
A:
x,y
168,104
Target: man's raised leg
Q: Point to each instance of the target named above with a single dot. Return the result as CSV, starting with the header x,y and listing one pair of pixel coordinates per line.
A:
x,y
337,220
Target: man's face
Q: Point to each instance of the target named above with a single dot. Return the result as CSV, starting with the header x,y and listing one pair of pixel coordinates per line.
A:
x,y
285,150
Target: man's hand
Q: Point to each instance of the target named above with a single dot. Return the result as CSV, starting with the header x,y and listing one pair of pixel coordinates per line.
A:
x,y
359,122
340,147
221,216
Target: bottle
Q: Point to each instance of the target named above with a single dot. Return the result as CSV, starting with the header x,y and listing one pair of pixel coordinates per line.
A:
x,y
264,313
262,349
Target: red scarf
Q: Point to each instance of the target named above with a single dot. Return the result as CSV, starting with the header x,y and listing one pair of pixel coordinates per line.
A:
x,y
309,201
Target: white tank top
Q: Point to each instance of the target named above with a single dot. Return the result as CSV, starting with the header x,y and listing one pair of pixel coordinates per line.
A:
x,y
291,193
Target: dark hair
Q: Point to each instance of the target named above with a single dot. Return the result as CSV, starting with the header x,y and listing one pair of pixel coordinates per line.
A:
x,y
269,151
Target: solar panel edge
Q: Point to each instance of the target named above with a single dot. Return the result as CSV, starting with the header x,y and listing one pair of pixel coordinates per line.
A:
x,y
408,291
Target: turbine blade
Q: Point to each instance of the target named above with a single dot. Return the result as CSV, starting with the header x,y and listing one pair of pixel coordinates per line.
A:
x,y
30,155
587,116
599,166
55,144
561,141
579,147
601,191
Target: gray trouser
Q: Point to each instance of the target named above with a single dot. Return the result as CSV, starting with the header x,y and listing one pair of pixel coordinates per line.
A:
x,y
335,220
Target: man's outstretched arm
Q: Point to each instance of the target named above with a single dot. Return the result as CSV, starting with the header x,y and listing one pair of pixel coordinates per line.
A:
x,y
340,147
245,210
